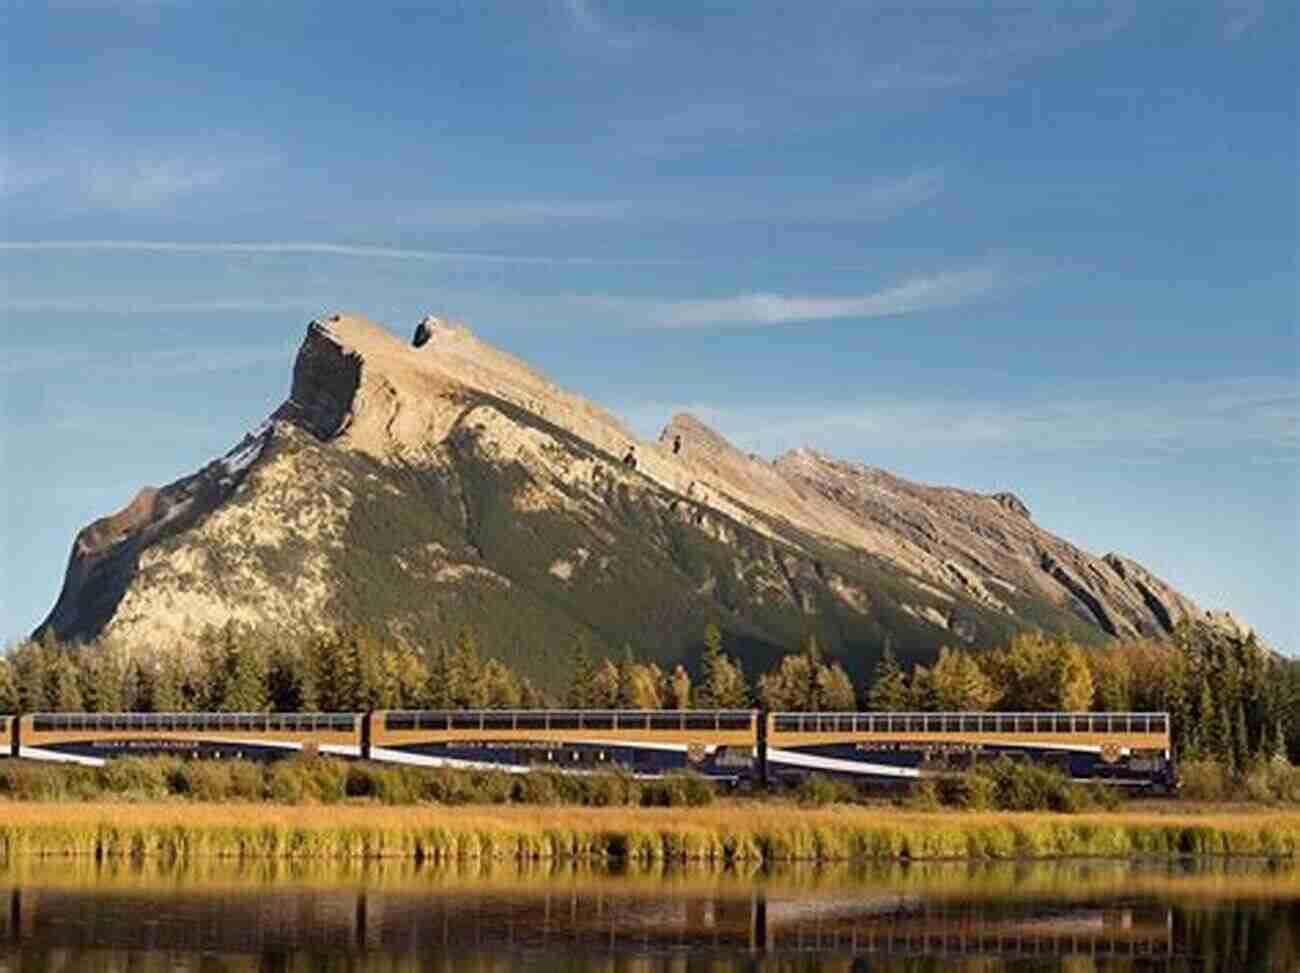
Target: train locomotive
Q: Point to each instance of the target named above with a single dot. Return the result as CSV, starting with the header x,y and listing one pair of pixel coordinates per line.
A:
x,y
755,747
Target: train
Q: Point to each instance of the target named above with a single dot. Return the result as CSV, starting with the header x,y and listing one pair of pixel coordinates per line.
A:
x,y
740,747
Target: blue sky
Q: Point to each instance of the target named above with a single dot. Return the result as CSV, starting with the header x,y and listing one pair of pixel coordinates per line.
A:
x,y
1046,248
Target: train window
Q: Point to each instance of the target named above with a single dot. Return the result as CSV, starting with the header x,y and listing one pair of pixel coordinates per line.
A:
x,y
564,720
735,721
598,721
671,720
464,721
701,721
400,721
498,721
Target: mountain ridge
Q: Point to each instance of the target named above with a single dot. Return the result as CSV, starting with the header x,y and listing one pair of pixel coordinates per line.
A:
x,y
416,485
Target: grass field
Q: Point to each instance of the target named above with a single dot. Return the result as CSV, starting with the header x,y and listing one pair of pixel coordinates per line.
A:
x,y
733,831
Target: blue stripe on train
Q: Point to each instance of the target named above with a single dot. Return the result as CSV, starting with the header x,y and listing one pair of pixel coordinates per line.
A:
x,y
901,761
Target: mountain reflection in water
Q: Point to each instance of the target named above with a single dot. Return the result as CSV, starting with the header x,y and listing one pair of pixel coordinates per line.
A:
x,y
82,915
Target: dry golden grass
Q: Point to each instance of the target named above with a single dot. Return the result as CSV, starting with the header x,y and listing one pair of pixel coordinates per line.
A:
x,y
730,832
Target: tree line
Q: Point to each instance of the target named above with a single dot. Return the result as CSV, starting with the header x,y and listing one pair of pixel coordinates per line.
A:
x,y
1230,701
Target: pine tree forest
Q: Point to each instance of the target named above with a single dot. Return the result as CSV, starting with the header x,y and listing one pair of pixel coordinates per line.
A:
x,y
1231,702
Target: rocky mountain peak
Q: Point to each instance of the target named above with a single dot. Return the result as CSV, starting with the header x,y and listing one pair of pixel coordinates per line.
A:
x,y
415,483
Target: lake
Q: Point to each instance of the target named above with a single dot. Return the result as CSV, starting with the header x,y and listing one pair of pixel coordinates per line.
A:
x,y
82,915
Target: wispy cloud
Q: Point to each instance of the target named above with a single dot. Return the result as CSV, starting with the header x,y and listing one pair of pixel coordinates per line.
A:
x,y
104,177
753,76
942,290
142,304
1258,415
305,247
593,25
874,200
156,363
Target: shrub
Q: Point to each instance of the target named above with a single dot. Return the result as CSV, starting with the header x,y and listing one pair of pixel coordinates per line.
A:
x,y
923,796
360,781
536,787
145,776
446,786
43,782
1204,780
818,790
246,781
677,790
290,782
610,790
972,792
208,780
1272,781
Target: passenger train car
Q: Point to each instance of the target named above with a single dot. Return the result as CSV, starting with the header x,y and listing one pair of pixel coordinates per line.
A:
x,y
1119,748
755,746
91,738
717,743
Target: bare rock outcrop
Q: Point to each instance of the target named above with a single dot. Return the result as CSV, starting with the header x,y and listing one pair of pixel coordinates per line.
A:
x,y
989,548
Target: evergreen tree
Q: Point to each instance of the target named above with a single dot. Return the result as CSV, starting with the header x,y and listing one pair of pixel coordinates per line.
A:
x,y
835,689
501,685
246,690
409,677
640,687
1241,751
441,688
582,687
889,692
1223,738
289,683
365,668
66,685
32,667
102,674
530,697
813,652
627,669
8,688
1208,737
169,685
923,697
328,668
679,689
472,693
604,686
958,684
791,686
722,684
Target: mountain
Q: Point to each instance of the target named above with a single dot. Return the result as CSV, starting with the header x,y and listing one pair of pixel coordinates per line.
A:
x,y
420,485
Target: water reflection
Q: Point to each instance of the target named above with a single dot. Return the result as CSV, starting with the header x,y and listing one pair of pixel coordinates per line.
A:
x,y
82,915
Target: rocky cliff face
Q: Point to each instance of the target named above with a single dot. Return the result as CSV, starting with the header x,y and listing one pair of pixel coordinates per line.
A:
x,y
418,486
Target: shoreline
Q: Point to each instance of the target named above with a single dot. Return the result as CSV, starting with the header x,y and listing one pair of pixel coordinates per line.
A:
x,y
743,832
